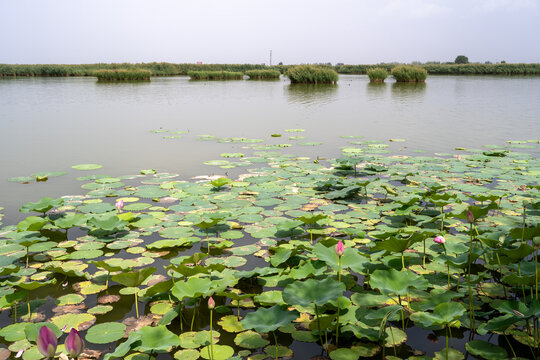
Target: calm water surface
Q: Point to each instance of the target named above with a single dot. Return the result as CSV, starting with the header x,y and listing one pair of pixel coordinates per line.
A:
x,y
50,124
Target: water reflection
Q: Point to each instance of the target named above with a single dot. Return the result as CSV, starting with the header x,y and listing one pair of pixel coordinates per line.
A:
x,y
405,90
311,94
376,90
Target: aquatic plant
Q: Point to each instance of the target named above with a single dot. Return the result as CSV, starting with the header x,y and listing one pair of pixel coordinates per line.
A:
x,y
308,74
377,75
215,75
74,344
406,73
263,74
122,75
47,342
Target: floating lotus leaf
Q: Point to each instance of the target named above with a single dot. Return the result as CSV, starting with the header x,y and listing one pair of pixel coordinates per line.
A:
x,y
32,330
217,162
187,354
230,323
87,167
14,332
486,350
134,278
344,354
265,320
250,340
97,208
221,352
282,351
69,299
150,192
192,288
100,309
156,338
105,333
396,282
108,222
452,354
72,321
350,259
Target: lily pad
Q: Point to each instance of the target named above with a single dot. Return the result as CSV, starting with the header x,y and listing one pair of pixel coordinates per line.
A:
x,y
105,333
87,167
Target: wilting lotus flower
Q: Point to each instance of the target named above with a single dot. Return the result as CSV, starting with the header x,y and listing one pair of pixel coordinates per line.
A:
x,y
340,249
211,303
119,205
439,240
74,343
470,216
47,342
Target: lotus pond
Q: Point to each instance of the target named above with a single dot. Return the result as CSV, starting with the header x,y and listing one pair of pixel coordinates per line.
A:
x,y
278,252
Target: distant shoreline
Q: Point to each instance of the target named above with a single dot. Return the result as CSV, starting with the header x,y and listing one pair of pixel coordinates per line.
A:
x,y
172,69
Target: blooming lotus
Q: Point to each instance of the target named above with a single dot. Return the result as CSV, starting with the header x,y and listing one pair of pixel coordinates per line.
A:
x,y
74,343
340,249
439,240
47,342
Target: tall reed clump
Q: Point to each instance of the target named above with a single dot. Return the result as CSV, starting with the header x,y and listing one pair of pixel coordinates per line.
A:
x,y
407,73
377,74
263,74
308,74
215,75
123,75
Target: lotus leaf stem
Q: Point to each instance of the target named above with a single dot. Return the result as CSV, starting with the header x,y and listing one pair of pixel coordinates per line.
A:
x,y
318,323
136,306
338,304
275,342
211,338
402,314
471,304
424,257
446,334
193,318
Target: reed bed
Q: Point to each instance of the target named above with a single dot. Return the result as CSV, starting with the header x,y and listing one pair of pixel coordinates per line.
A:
x,y
263,74
308,74
215,75
377,74
123,75
407,73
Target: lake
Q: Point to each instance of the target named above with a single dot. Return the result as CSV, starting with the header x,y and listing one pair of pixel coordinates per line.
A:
x,y
51,124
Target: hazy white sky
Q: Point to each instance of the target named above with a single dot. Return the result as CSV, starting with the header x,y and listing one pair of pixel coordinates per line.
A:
x,y
243,31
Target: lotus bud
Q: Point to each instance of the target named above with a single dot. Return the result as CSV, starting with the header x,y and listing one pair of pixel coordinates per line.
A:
x,y
459,157
439,240
74,343
470,216
211,303
47,342
340,249
119,205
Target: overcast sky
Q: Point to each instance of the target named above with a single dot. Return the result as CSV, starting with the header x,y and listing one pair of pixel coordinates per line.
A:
x,y
244,31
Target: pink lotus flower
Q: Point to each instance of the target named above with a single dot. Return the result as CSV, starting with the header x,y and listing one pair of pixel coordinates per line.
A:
x,y
119,205
211,303
459,157
470,216
439,240
47,342
74,343
340,249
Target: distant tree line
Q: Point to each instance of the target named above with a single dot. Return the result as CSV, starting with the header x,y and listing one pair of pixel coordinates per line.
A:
x,y
171,69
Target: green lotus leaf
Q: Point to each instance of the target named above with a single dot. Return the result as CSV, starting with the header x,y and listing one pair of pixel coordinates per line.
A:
x,y
150,192
396,282
344,354
250,340
70,220
230,323
32,223
443,314
71,320
14,332
97,208
192,288
187,354
156,338
221,352
43,205
87,167
222,181
32,285
100,309
350,259
108,222
265,320
310,219
69,299
486,350
395,244
105,333
311,291
452,354
134,278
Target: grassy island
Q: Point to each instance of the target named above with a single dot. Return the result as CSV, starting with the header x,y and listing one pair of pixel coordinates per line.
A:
x,y
377,74
409,73
263,74
123,75
215,75
308,74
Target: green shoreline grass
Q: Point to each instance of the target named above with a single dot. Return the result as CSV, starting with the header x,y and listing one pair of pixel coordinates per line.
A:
x,y
171,69
377,74
263,74
215,75
308,74
409,73
123,75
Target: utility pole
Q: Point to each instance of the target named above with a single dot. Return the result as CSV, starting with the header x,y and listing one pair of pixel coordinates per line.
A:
x,y
270,58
